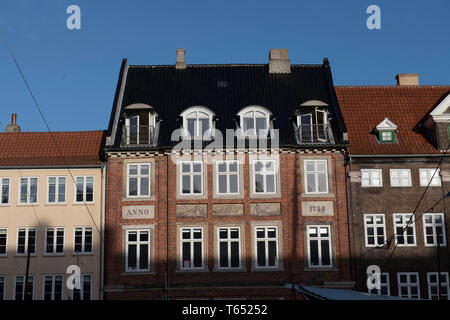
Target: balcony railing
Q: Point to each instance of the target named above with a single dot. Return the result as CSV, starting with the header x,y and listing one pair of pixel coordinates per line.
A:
x,y
138,135
313,133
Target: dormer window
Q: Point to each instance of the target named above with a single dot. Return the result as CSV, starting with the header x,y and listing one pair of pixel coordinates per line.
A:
x,y
198,123
140,124
386,131
312,122
255,121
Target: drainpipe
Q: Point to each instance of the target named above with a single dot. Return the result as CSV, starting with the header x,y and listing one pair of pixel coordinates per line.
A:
x,y
102,224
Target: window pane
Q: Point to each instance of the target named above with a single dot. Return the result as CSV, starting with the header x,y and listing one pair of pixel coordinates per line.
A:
x,y
132,256
233,183
234,254
323,187
272,253
261,253
143,257
314,252
186,255
270,181
186,184
259,183
222,184
310,183
197,184
325,252
197,254
223,248
144,187
132,184
222,167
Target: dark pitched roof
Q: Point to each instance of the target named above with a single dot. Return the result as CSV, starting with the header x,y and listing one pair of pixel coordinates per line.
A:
x,y
33,149
170,91
364,107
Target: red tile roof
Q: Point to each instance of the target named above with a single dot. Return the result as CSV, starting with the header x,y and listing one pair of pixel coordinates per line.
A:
x,y
364,107
55,149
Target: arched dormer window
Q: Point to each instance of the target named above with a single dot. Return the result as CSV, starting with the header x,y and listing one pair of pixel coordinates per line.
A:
x,y
198,122
312,122
140,125
254,120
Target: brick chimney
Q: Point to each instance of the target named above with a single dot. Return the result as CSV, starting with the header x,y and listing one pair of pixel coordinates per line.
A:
x,y
279,61
181,62
13,127
407,79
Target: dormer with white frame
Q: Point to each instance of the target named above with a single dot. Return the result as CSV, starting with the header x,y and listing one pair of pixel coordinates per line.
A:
x,y
198,122
255,121
140,128
439,124
312,123
386,131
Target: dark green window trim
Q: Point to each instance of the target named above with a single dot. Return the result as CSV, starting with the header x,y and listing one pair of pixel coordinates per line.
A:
x,y
380,136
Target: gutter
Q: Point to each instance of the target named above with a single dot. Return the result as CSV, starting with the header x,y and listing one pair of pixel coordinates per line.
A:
x,y
87,166
102,224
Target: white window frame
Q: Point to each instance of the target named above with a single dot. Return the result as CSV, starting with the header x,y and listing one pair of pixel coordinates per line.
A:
x,y
138,243
2,179
316,174
382,285
265,173
433,225
399,171
30,277
82,287
435,182
191,174
83,239
249,113
319,238
197,113
229,240
57,184
55,240
53,279
6,242
408,284
370,180
28,195
84,189
266,240
375,226
435,284
227,173
405,220
191,241
139,176
27,230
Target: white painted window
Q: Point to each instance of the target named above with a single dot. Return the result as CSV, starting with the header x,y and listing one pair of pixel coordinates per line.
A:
x,y
138,250
384,286
197,122
83,240
19,288
4,190
434,228
254,121
229,247
264,176
374,225
138,180
2,287
56,190
408,285
319,246
84,189
400,177
433,285
192,177
316,176
54,240
28,190
371,178
405,229
191,248
26,239
426,175
227,177
266,242
3,242
386,136
84,293
53,287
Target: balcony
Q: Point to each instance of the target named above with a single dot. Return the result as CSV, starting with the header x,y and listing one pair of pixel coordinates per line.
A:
x,y
138,136
313,133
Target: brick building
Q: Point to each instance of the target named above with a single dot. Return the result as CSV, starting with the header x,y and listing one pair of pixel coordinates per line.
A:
x,y
189,216
397,142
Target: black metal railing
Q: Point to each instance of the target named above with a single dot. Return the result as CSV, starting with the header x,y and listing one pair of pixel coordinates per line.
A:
x,y
313,133
138,135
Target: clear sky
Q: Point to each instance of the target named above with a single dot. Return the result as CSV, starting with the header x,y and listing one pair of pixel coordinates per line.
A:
x,y
73,73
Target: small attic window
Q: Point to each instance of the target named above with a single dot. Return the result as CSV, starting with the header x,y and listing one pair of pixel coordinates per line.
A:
x,y
386,131
386,136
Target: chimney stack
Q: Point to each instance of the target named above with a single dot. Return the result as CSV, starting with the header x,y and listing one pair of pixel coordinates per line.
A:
x,y
13,127
181,62
279,61
407,79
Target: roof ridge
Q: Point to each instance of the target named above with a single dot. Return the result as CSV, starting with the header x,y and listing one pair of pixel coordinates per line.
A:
x,y
426,86
220,65
34,132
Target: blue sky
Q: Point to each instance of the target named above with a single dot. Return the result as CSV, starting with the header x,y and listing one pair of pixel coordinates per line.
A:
x,y
73,73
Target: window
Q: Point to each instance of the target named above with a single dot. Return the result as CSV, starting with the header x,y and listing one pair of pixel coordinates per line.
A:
x,y
316,176
319,246
433,280
26,239
371,178
191,248
28,190
54,240
386,136
374,225
138,250
3,241
405,233
84,293
384,285
53,287
266,247
83,240
84,189
312,123
400,177
19,288
2,288
138,180
427,174
197,121
254,121
139,127
227,177
408,285
229,248
434,228
56,189
4,190
192,177
264,176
